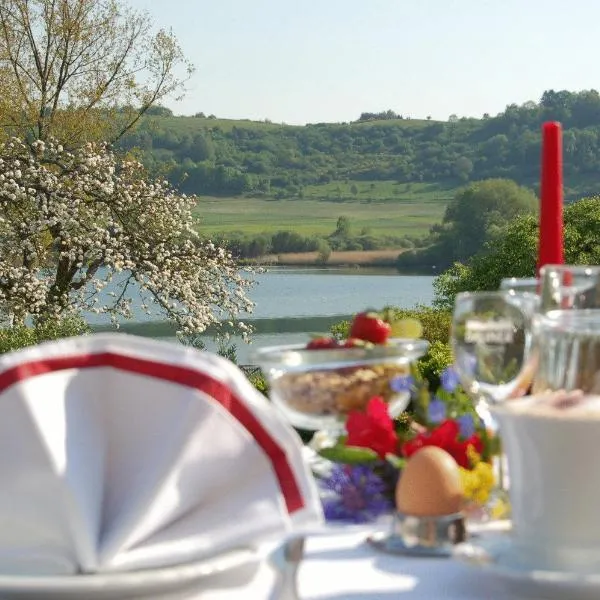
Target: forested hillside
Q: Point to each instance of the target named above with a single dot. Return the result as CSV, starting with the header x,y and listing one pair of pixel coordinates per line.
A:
x,y
206,155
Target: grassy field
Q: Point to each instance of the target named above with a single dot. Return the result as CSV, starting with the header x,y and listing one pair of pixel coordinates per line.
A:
x,y
384,208
381,191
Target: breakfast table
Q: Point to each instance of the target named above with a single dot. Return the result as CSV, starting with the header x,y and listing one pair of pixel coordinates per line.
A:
x,y
342,566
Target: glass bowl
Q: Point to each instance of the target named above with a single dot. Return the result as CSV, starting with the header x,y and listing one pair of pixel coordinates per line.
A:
x,y
316,389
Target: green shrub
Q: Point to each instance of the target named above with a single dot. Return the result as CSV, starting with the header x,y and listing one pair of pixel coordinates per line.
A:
x,y
21,336
436,322
259,382
434,362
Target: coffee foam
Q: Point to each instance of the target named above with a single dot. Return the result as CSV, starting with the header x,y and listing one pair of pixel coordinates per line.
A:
x,y
557,404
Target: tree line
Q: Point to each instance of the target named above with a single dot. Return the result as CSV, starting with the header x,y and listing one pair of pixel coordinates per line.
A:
x,y
475,217
210,156
343,238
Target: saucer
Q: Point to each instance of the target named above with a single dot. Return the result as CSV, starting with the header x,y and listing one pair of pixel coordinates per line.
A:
x,y
241,563
499,555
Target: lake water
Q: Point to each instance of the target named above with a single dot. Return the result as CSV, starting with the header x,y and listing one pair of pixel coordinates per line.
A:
x,y
294,303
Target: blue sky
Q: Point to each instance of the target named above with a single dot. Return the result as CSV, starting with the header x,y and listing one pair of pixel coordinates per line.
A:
x,y
299,61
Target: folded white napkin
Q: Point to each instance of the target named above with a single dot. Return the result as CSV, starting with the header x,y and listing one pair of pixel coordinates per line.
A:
x,y
120,453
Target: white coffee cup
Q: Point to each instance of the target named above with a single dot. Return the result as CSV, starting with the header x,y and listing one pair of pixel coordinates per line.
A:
x,y
553,456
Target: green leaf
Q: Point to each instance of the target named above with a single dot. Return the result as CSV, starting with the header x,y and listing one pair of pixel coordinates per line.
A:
x,y
491,445
396,461
350,455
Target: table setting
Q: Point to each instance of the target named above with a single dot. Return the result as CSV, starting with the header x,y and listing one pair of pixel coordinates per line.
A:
x,y
134,468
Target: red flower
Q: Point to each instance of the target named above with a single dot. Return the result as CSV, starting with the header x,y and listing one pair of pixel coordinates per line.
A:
x,y
373,428
445,436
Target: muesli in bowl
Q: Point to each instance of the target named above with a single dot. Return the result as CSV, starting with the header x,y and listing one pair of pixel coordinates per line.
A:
x,y
318,384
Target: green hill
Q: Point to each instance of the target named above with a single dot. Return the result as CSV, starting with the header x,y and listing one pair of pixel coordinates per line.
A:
x,y
388,177
219,157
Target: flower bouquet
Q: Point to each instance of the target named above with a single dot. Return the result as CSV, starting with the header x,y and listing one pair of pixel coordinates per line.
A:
x,y
369,456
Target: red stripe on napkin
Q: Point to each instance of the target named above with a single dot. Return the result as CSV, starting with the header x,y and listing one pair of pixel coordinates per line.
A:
x,y
182,376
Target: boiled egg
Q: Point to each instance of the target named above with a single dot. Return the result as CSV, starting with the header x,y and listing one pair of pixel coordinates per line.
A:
x,y
430,484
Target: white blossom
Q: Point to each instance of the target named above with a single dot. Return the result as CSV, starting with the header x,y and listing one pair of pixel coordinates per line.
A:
x,y
68,216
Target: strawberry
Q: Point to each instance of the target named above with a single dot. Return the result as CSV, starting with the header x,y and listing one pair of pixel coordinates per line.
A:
x,y
322,343
370,327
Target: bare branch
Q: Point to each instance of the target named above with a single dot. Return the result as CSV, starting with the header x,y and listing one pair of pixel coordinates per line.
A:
x,y
70,66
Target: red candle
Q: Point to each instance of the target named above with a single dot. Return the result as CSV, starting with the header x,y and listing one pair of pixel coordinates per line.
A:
x,y
550,249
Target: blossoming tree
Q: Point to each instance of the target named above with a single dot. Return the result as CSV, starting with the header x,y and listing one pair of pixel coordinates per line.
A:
x,y
72,221
74,217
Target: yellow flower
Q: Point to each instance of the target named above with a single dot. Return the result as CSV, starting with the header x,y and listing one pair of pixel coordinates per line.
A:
x,y
477,482
500,509
473,455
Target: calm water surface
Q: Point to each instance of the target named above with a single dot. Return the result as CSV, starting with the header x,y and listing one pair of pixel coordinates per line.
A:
x,y
293,303
323,292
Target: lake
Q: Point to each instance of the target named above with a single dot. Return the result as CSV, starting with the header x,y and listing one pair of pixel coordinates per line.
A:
x,y
294,303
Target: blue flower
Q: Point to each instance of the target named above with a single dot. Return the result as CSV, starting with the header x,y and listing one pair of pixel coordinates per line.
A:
x,y
360,495
402,383
466,424
449,379
436,410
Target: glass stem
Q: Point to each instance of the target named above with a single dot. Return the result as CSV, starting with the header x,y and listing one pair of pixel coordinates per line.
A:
x,y
499,462
500,469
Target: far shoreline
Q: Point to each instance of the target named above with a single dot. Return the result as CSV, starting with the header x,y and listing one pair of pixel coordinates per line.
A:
x,y
372,259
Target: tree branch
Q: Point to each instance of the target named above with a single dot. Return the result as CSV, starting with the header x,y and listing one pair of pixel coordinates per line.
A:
x,y
89,274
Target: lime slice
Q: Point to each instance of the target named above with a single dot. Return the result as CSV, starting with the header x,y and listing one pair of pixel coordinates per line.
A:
x,y
407,328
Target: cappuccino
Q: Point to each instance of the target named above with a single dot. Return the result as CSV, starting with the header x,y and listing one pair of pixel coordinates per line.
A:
x,y
551,445
559,404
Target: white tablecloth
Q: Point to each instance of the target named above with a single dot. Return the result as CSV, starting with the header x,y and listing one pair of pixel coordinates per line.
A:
x,y
344,567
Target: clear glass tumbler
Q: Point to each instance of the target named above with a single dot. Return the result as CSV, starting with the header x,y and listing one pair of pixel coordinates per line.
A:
x,y
568,351
564,287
